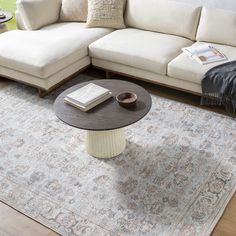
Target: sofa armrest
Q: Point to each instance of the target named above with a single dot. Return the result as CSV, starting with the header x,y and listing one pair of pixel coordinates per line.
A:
x,y
34,14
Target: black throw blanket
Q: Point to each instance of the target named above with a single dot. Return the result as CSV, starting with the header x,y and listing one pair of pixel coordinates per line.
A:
x,y
219,87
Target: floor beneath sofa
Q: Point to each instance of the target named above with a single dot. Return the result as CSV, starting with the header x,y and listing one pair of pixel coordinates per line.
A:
x,y
14,223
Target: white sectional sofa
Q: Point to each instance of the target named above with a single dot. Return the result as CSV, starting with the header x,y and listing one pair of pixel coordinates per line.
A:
x,y
148,49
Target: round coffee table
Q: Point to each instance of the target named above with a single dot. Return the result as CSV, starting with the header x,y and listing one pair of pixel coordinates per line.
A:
x,y
105,123
8,17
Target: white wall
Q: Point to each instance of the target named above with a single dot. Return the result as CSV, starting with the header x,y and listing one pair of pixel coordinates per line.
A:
x,y
225,4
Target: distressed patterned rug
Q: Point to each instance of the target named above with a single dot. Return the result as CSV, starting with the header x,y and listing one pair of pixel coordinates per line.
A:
x,y
175,177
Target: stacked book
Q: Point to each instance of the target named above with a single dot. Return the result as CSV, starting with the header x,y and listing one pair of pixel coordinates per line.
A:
x,y
204,54
88,97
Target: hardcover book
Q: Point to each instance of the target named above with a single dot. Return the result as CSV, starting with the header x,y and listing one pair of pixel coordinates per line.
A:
x,y
87,94
88,97
91,105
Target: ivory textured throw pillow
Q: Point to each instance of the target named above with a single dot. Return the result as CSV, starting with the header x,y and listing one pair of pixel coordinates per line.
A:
x,y
106,13
74,10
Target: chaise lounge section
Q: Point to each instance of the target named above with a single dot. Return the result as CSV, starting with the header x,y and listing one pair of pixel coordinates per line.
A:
x,y
45,58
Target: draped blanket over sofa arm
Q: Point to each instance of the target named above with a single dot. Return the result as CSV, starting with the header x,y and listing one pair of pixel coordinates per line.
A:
x,y
219,87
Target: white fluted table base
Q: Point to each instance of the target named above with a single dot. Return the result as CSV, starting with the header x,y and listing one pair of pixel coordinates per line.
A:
x,y
105,144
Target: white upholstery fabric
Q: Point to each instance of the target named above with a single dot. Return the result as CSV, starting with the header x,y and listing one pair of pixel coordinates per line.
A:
x,y
148,76
36,14
44,52
19,21
222,4
141,49
217,26
186,68
49,82
163,16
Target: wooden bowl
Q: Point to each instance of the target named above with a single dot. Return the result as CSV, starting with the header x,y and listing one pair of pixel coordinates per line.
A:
x,y
126,99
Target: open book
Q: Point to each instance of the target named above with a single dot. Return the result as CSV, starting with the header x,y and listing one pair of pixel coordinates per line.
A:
x,y
204,54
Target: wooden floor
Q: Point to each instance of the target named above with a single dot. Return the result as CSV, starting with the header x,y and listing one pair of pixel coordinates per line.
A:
x,y
13,223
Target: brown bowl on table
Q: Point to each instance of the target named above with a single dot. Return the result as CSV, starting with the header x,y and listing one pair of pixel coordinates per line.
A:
x,y
127,99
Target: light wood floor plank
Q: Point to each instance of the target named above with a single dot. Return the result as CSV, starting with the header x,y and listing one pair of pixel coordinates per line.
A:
x,y
13,223
227,224
53,234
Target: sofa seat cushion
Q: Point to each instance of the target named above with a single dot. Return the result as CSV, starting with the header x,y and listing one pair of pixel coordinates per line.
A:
x,y
145,50
185,68
46,51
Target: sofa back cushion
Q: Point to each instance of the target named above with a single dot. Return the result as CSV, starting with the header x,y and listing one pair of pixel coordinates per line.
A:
x,y
74,10
217,26
36,14
163,16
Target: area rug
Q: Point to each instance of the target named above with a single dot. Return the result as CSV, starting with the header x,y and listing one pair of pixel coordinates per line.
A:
x,y
175,177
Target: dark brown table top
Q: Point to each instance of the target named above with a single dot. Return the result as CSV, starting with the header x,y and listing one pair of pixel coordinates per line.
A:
x,y
8,17
109,114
